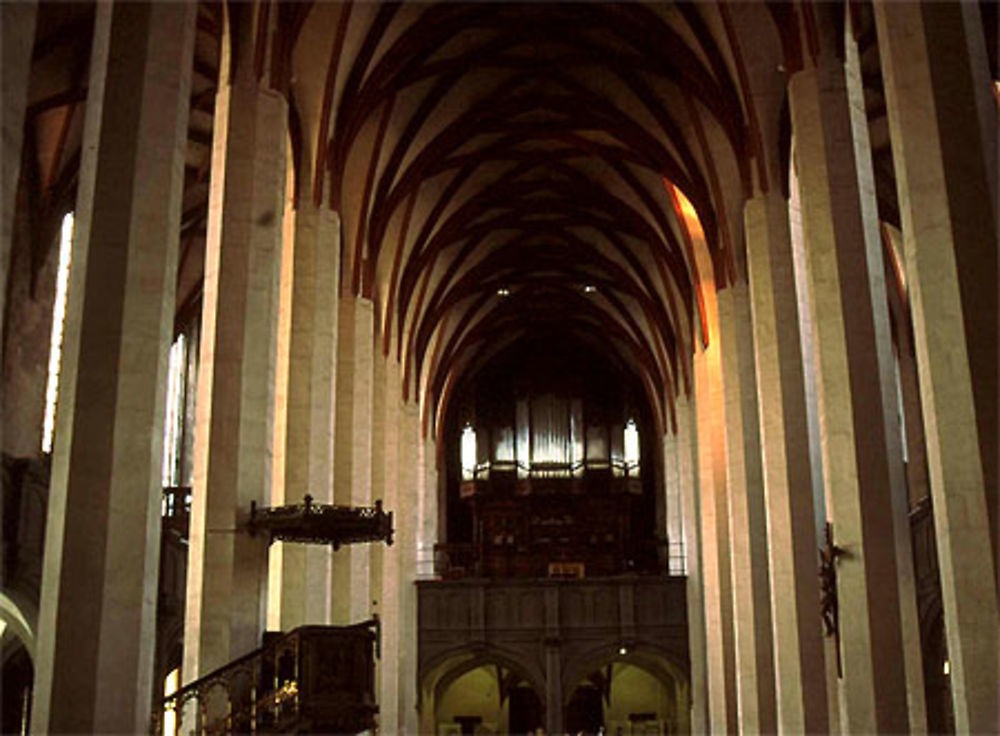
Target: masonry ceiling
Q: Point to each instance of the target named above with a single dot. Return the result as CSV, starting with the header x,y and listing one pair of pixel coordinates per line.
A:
x,y
483,147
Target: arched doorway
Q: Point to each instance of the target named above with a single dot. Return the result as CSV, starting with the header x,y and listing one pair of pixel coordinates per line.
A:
x,y
629,693
475,693
17,677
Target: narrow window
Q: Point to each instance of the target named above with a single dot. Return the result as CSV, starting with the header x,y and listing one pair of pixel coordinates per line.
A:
x,y
468,453
631,448
56,338
173,419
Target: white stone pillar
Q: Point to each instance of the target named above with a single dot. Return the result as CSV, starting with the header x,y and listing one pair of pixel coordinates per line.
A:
x,y
714,521
674,505
227,568
937,92
427,509
862,454
747,522
389,457
352,589
378,432
553,688
687,471
802,705
412,451
305,399
97,620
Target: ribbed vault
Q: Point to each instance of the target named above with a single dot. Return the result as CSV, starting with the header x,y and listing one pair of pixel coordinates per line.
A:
x,y
499,168
504,168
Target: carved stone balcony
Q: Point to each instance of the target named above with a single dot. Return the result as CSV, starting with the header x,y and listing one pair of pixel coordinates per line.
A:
x,y
573,620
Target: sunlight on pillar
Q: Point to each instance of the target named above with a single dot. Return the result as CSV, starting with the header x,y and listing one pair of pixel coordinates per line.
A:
x,y
699,260
58,325
690,215
808,345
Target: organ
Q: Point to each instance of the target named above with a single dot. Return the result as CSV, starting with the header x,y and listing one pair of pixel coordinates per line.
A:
x,y
547,476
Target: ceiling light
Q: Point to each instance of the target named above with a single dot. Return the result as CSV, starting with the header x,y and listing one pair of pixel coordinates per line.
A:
x,y
623,650
503,291
589,289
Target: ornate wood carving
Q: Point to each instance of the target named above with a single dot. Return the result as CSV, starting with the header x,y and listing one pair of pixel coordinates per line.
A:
x,y
322,524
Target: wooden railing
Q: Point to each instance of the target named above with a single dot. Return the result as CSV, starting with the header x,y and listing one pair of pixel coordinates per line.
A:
x,y
315,679
468,560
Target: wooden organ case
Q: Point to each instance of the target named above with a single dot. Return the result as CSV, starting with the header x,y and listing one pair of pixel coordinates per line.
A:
x,y
545,480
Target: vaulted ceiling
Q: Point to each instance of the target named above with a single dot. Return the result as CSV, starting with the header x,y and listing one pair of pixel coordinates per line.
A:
x,y
507,168
503,168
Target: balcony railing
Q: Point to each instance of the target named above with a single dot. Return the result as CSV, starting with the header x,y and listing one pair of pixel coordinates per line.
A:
x,y
315,679
456,561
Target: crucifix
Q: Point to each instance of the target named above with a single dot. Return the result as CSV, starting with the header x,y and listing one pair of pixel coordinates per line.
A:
x,y
829,609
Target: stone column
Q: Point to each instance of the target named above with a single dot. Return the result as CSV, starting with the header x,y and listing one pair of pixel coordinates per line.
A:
x,y
377,466
862,454
389,458
675,516
300,575
746,512
687,471
911,414
413,450
714,523
944,140
352,590
227,569
17,24
97,625
802,705
553,687
427,508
